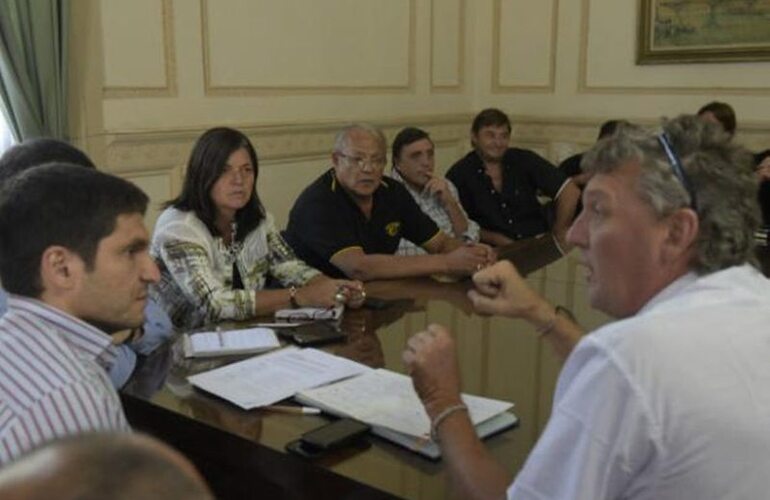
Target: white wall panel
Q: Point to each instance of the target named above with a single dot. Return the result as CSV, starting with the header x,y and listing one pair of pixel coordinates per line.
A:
x,y
264,44
447,43
134,44
525,43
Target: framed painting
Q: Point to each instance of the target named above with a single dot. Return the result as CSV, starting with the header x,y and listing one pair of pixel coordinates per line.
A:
x,y
698,31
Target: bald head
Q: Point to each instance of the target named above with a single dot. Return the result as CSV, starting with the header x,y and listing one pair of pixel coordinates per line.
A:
x,y
95,466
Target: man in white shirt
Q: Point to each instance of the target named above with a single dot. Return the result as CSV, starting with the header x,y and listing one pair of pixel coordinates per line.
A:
x,y
672,400
74,259
414,166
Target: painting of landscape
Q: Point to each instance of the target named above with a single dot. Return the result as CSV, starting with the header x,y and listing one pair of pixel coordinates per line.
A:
x,y
703,30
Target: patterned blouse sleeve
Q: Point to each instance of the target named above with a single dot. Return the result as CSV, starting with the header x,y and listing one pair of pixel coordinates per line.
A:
x,y
284,265
187,255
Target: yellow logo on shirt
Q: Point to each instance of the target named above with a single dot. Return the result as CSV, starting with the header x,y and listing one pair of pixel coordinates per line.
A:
x,y
393,228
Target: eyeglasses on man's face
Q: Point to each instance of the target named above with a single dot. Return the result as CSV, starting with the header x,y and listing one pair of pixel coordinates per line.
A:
x,y
361,162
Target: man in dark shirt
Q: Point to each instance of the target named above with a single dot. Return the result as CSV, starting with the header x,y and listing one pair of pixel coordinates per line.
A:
x,y
499,185
571,166
350,220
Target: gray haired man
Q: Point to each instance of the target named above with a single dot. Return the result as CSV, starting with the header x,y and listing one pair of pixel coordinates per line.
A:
x,y
673,399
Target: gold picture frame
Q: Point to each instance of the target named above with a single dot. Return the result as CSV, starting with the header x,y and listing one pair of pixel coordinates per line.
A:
x,y
703,31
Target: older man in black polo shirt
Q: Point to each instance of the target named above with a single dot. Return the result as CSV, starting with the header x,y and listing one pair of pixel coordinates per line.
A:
x,y
350,220
498,185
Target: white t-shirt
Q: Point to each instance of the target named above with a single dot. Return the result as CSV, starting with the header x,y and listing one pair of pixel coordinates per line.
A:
x,y
672,403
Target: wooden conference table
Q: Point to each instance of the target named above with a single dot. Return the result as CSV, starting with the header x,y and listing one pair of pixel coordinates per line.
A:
x,y
241,452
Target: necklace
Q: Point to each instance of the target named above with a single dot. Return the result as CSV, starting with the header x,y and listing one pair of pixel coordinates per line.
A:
x,y
235,246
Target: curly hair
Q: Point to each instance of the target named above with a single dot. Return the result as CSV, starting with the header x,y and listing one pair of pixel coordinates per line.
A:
x,y
718,171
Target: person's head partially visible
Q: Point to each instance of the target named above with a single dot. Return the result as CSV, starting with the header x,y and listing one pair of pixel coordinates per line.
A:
x,y
220,182
720,113
94,466
609,128
413,156
358,159
660,205
36,152
491,134
75,239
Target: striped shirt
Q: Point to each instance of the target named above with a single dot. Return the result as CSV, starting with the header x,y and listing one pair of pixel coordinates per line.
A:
x,y
52,378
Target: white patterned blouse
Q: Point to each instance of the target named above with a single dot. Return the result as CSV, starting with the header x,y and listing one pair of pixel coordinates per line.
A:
x,y
196,284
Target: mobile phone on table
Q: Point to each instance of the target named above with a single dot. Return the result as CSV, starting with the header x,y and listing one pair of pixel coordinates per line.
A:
x,y
376,303
332,436
315,333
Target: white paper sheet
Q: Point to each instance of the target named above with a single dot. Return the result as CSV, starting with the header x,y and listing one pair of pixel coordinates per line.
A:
x,y
271,377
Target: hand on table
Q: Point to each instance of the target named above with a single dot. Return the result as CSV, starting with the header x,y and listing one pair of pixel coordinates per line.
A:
x,y
469,258
327,292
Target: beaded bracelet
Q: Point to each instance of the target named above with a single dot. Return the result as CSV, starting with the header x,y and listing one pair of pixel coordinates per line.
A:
x,y
442,416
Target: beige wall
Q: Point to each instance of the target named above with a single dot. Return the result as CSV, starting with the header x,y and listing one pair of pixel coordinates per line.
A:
x,y
150,75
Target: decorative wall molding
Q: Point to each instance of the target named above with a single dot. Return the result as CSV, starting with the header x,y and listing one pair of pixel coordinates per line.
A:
x,y
459,86
708,89
169,57
500,88
212,90
160,149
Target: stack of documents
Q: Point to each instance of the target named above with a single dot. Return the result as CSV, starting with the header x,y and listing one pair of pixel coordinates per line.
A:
x,y
381,398
396,413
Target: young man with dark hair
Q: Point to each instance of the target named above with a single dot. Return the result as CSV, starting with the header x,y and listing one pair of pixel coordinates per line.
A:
x,y
413,156
157,326
499,186
74,259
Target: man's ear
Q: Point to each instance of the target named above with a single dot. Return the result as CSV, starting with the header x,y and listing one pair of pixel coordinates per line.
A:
x,y
335,159
60,268
683,229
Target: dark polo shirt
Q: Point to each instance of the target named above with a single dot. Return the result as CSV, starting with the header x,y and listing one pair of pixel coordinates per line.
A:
x,y
515,211
325,221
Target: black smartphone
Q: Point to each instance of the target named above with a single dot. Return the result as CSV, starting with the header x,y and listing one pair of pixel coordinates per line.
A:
x,y
315,333
375,303
328,437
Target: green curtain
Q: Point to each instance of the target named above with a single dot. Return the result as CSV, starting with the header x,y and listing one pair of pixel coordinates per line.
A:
x,y
33,67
